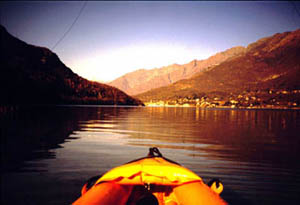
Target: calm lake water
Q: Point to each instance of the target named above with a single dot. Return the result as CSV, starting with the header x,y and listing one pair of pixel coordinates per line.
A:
x,y
47,153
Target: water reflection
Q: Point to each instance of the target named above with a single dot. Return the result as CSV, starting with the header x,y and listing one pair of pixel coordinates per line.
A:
x,y
243,134
29,134
254,152
33,133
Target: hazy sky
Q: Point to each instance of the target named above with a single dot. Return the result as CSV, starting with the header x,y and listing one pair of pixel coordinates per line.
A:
x,y
110,39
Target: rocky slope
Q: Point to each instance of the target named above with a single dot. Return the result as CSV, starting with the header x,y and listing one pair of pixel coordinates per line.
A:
x,y
143,80
266,75
35,75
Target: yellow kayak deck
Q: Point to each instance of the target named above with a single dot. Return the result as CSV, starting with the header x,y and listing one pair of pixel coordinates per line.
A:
x,y
150,180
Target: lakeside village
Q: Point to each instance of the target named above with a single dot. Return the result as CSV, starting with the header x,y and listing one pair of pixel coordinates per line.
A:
x,y
270,99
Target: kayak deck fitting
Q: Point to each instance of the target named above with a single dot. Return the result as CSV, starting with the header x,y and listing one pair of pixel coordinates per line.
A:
x,y
150,180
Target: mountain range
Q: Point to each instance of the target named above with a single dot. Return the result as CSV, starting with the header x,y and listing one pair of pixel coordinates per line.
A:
x,y
264,74
35,75
143,80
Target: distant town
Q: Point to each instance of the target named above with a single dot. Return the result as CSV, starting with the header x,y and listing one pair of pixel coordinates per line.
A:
x,y
259,99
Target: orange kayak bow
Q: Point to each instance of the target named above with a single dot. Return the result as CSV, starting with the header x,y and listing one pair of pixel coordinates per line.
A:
x,y
151,180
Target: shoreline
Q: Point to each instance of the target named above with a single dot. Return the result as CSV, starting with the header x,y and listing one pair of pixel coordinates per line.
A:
x,y
13,108
230,107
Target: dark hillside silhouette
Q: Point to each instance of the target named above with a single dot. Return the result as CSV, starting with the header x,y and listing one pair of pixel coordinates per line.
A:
x,y
35,75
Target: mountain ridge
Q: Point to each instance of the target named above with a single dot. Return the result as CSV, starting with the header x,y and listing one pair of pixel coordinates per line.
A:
x,y
143,80
265,75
